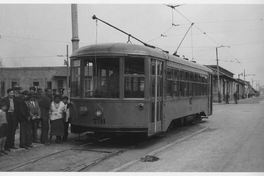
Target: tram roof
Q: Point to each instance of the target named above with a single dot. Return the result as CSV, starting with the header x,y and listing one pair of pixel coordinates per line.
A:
x,y
132,49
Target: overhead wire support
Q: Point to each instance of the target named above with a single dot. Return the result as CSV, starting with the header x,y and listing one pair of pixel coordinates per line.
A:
x,y
175,53
172,13
129,35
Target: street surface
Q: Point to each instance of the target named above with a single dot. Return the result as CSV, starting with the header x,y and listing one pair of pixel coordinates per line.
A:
x,y
232,139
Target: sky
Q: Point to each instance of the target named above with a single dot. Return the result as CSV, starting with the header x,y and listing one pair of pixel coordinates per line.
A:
x,y
35,34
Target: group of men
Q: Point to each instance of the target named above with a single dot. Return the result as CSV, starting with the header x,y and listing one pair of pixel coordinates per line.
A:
x,y
31,111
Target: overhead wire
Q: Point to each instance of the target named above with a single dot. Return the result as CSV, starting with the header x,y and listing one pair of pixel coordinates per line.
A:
x,y
196,26
29,57
204,33
3,36
225,21
162,35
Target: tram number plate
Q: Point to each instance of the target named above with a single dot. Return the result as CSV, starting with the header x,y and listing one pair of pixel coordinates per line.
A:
x,y
99,120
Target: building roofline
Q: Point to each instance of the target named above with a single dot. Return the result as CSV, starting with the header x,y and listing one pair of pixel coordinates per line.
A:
x,y
221,73
221,68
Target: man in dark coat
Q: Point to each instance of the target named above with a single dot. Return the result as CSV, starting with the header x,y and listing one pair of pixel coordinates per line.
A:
x,y
24,119
44,104
227,98
67,117
12,121
34,112
236,97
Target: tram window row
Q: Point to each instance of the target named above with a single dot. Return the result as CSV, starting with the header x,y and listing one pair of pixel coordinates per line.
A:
x,y
184,83
101,77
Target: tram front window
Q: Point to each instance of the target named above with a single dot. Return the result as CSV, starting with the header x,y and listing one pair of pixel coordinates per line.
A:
x,y
101,77
75,78
134,77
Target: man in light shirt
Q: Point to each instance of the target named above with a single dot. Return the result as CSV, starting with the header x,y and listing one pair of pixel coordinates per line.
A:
x,y
12,121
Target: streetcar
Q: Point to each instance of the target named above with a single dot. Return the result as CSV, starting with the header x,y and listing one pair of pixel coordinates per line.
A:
x,y
120,88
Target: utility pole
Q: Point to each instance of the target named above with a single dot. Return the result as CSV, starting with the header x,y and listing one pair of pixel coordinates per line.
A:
x,y
75,39
218,79
67,64
244,74
218,75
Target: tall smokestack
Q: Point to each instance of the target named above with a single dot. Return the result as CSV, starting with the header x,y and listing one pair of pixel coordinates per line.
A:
x,y
75,38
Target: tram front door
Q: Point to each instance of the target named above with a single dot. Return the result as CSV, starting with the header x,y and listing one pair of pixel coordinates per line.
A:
x,y
156,96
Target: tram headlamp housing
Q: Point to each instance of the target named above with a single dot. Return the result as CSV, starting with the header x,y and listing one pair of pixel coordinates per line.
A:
x,y
140,106
98,113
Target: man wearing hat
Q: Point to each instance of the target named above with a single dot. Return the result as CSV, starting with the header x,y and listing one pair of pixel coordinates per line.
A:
x,y
24,120
12,121
34,112
3,127
44,104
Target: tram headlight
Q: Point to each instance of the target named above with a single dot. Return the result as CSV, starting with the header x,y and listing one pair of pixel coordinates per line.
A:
x,y
98,113
140,106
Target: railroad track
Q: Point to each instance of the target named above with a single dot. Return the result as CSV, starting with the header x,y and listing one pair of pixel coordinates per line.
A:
x,y
86,165
85,156
76,154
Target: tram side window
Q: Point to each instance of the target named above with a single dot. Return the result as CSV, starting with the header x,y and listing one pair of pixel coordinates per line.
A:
x,y
176,82
75,78
182,83
190,88
134,77
186,89
190,84
169,80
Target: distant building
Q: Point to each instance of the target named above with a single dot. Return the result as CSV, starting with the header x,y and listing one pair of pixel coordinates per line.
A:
x,y
241,88
250,91
261,90
228,84
42,77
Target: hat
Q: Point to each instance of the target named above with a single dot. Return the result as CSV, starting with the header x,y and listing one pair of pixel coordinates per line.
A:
x,y
25,92
17,88
9,90
32,88
57,96
65,97
32,95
